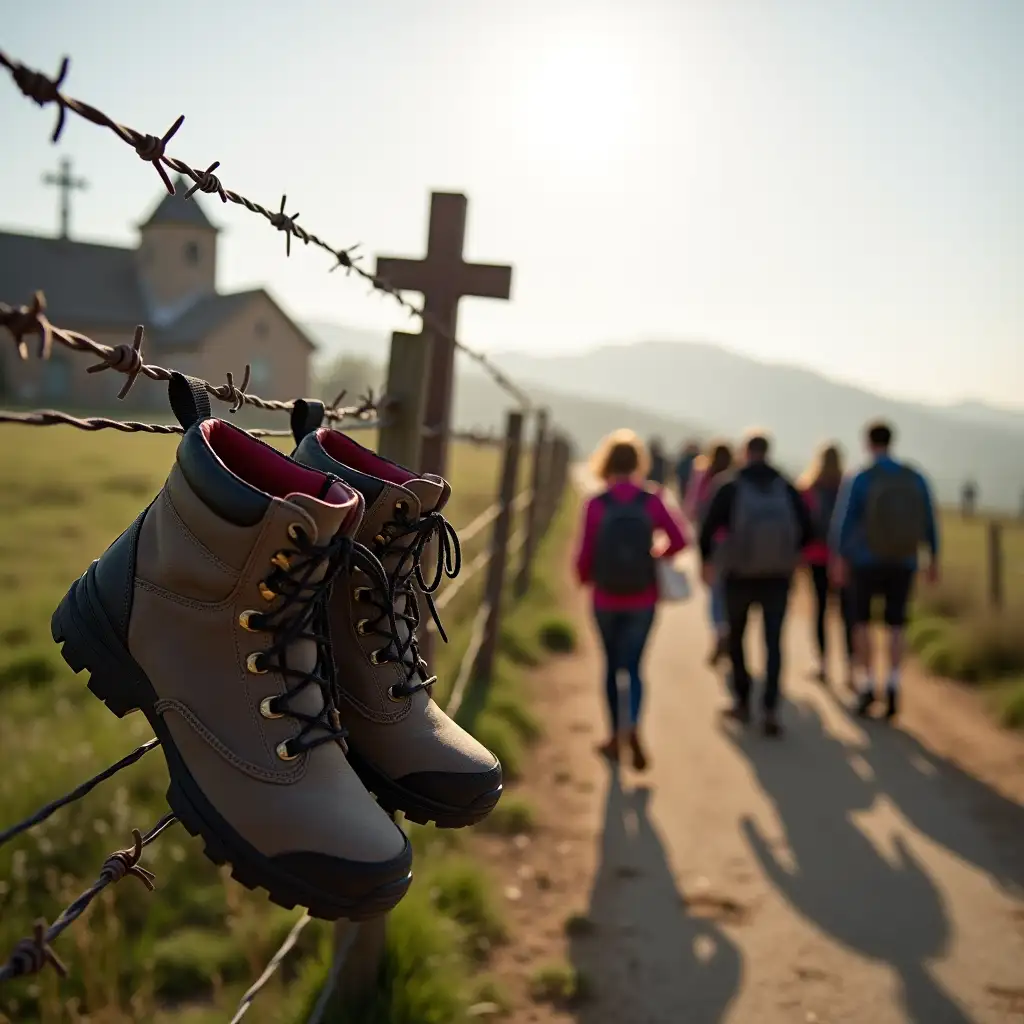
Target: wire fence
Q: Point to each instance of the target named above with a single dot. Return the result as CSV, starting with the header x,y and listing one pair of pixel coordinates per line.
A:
x,y
396,415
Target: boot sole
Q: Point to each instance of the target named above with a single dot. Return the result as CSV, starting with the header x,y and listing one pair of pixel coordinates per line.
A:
x,y
394,797
90,644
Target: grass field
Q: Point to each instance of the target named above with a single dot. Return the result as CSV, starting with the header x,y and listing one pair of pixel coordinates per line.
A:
x,y
199,939
956,631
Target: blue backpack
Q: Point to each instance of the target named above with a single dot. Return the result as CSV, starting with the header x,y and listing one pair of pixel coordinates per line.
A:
x,y
623,563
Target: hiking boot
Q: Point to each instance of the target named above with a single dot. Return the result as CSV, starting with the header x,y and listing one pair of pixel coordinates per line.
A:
x,y
639,756
610,749
892,702
405,748
208,614
864,703
738,712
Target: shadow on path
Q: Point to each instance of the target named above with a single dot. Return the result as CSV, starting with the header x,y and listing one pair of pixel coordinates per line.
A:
x,y
884,907
942,801
646,957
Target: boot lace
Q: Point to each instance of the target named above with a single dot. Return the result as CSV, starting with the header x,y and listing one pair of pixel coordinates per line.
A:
x,y
402,580
302,614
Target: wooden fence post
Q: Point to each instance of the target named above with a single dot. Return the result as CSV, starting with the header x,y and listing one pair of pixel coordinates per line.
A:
x,y
556,474
401,437
538,474
995,564
495,584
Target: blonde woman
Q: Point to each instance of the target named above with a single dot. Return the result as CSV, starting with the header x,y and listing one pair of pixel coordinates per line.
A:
x,y
616,557
819,487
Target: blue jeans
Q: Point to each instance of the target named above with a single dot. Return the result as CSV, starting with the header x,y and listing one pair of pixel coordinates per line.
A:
x,y
624,635
716,605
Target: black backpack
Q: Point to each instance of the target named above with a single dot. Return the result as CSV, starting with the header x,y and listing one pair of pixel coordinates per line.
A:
x,y
623,563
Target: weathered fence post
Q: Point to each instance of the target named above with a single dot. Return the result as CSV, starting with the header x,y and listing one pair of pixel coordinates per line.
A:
x,y
400,439
559,457
995,564
401,436
538,473
495,584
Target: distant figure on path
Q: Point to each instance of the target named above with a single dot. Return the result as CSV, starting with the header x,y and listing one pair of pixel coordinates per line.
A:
x,y
884,516
768,526
657,471
684,466
819,487
708,473
616,556
968,499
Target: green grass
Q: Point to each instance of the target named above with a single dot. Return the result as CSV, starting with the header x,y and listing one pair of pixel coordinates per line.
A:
x,y
955,631
558,983
187,950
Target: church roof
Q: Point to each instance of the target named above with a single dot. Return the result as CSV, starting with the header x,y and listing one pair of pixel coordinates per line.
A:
x,y
84,283
178,210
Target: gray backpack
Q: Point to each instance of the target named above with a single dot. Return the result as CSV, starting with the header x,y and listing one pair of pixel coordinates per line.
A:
x,y
764,536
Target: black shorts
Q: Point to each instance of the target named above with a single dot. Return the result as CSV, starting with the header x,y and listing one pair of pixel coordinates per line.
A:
x,y
893,583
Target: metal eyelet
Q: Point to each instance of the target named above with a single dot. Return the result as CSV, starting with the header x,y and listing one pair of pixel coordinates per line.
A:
x,y
281,561
391,695
401,507
252,663
380,540
375,658
265,592
359,594
245,620
361,626
284,752
267,708
294,529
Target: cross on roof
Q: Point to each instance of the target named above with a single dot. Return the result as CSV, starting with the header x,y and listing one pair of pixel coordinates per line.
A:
x,y
66,183
443,277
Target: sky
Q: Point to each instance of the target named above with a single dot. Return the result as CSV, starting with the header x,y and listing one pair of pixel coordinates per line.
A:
x,y
832,183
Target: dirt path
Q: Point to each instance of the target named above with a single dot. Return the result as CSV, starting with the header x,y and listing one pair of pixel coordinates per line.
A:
x,y
849,872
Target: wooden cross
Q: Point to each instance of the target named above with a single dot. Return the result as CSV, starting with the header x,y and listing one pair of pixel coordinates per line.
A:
x,y
66,183
443,277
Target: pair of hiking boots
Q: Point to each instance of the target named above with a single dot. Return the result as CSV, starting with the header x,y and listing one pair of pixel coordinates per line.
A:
x,y
262,613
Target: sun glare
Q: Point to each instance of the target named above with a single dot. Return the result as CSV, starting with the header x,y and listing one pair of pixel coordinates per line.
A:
x,y
580,101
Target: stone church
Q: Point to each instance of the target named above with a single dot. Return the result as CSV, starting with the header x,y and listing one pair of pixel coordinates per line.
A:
x,y
168,283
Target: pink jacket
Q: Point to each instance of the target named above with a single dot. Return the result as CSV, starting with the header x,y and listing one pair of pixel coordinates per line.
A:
x,y
664,522
816,553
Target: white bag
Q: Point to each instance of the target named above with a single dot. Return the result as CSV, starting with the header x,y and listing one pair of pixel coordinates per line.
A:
x,y
673,583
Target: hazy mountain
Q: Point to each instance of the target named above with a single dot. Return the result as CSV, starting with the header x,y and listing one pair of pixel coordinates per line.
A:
x,y
677,389
334,340
985,415
481,405
729,392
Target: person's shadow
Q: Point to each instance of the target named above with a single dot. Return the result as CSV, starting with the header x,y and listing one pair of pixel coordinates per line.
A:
x,y
930,790
885,908
642,954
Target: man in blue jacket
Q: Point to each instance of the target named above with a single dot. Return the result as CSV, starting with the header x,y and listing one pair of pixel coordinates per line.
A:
x,y
884,515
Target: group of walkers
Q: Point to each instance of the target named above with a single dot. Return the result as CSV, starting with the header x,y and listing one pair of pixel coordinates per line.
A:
x,y
857,537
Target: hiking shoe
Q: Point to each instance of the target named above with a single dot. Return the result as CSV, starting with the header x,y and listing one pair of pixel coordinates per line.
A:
x,y
639,756
738,712
609,749
405,748
208,614
864,702
892,702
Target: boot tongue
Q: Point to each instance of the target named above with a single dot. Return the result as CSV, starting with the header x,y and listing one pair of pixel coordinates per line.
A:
x,y
329,513
432,491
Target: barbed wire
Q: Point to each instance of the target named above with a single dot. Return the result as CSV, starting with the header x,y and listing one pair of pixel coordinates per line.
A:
x,y
23,322
31,955
38,817
43,90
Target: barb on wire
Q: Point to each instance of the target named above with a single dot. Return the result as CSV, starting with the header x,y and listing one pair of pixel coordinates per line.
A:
x,y
31,955
23,322
77,793
151,148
